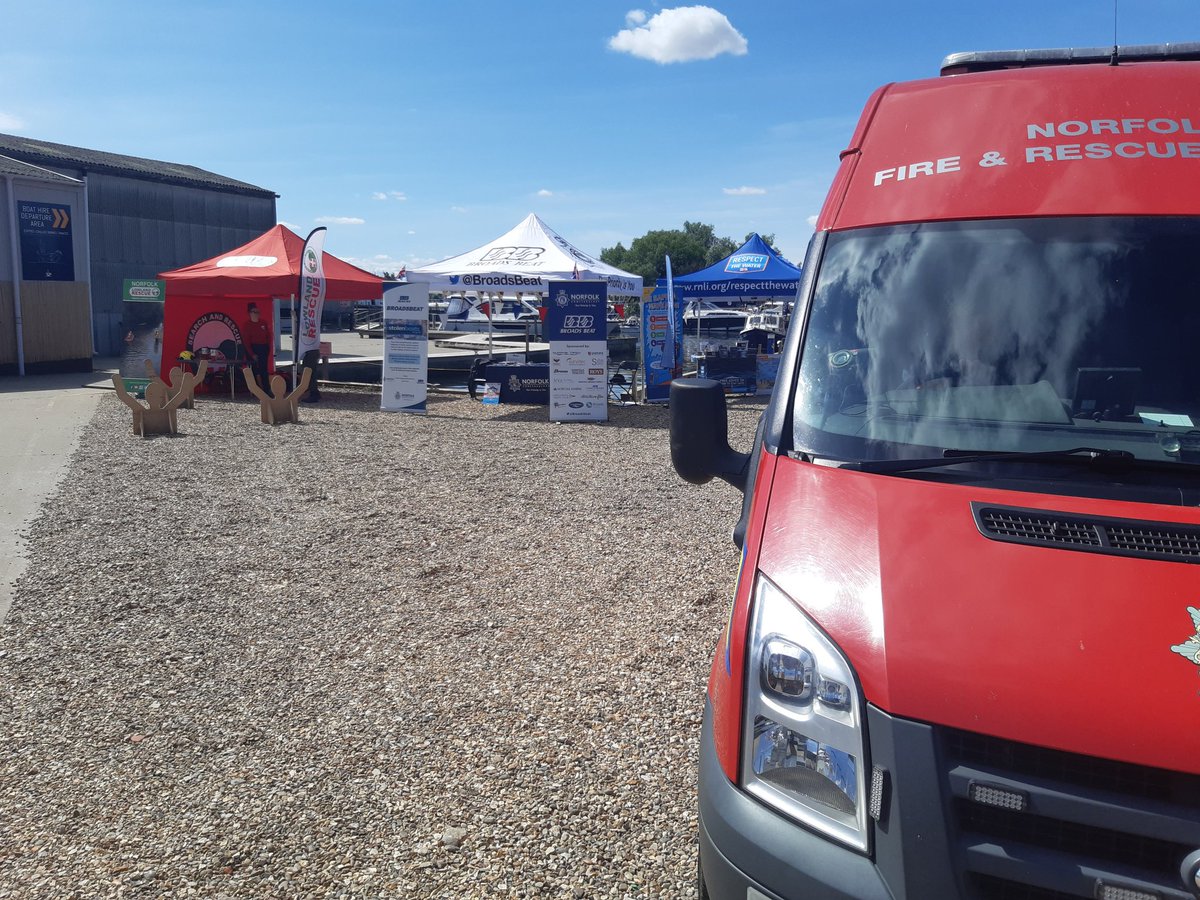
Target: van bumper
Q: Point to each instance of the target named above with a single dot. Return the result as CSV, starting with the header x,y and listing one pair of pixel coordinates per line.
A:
x,y
748,852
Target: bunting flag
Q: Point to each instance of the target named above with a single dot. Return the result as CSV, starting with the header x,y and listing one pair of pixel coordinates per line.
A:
x,y
312,292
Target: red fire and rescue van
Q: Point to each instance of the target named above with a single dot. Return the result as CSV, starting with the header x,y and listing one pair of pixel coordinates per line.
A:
x,y
963,658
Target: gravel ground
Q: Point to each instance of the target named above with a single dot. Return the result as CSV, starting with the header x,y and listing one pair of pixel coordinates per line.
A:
x,y
373,655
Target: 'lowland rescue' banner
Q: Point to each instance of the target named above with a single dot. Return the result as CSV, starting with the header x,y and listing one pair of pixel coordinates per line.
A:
x,y
312,292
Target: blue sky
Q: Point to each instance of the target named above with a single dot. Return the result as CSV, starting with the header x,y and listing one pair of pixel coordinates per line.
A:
x,y
419,131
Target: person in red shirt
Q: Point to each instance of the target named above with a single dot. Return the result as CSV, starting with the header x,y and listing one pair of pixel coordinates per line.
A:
x,y
257,337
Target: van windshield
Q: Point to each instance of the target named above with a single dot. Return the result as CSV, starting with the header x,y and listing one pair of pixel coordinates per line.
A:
x,y
1007,336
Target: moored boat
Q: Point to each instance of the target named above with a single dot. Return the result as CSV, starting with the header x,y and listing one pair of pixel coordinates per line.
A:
x,y
704,315
767,325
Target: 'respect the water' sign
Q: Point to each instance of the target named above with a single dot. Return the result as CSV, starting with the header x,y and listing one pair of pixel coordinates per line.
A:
x,y
746,263
577,329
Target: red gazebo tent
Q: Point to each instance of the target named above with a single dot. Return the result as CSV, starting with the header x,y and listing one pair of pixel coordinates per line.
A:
x,y
208,302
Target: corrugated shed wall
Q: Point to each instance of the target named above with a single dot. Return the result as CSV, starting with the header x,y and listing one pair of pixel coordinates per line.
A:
x,y
140,228
8,326
54,321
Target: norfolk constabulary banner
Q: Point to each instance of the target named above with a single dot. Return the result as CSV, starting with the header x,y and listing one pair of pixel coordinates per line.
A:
x,y
577,330
405,348
312,292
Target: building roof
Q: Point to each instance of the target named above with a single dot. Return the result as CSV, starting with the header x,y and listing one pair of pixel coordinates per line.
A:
x,y
9,166
45,153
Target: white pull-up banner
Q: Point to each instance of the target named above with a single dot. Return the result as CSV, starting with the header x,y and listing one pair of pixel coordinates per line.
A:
x,y
405,348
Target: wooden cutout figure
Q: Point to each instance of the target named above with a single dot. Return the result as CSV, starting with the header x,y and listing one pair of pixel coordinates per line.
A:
x,y
277,407
158,416
178,383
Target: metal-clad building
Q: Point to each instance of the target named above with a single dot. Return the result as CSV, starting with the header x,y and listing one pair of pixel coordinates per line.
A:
x,y
139,217
45,321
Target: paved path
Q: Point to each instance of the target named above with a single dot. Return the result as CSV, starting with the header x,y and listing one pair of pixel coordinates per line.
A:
x,y
40,420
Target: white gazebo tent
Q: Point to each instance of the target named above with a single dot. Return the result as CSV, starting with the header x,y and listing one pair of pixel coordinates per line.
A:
x,y
523,261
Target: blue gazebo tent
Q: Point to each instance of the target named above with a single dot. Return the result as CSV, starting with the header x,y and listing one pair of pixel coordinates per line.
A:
x,y
754,270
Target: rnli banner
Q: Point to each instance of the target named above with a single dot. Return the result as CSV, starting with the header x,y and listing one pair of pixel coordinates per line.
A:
x,y
312,292
576,328
658,346
405,348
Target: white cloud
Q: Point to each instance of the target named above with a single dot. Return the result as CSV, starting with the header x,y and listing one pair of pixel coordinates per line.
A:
x,y
682,34
340,220
377,264
412,232
10,123
744,191
812,220
635,17
545,193
383,262
458,209
389,195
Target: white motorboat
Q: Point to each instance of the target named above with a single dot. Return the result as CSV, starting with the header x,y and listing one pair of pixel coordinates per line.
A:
x,y
464,313
704,315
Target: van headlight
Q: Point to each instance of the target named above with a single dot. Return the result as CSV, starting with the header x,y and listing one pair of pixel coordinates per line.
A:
x,y
802,751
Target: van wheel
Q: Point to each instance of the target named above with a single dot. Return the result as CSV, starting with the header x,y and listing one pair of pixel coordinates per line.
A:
x,y
701,887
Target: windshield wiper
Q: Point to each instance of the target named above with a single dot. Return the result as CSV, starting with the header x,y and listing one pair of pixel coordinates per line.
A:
x,y
1085,455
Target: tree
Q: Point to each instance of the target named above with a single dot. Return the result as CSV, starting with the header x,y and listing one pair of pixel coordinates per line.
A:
x,y
694,247
768,239
691,248
715,248
646,255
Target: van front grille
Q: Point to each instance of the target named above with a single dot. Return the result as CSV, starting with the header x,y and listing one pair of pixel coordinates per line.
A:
x,y
1166,541
1083,819
1004,523
987,888
1163,541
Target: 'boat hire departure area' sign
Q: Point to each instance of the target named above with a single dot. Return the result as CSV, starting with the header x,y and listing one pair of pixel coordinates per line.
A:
x,y
47,251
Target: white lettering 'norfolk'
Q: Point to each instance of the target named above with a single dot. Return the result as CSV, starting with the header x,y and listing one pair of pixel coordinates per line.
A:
x,y
1076,127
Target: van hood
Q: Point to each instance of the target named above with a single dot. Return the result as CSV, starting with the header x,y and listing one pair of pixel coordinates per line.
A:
x,y
1080,651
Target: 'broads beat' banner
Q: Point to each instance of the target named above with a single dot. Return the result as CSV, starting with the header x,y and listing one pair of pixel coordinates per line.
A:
x,y
405,348
577,329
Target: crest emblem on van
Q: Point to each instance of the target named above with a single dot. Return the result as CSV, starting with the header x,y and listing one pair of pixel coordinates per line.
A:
x,y
1190,649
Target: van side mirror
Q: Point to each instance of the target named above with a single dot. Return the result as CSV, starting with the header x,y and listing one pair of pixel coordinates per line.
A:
x,y
700,434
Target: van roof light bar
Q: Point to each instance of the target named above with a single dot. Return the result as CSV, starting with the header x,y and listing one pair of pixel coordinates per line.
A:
x,y
991,60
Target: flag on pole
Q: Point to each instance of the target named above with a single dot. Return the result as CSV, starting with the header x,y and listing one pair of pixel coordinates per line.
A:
x,y
312,292
402,274
676,340
575,273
